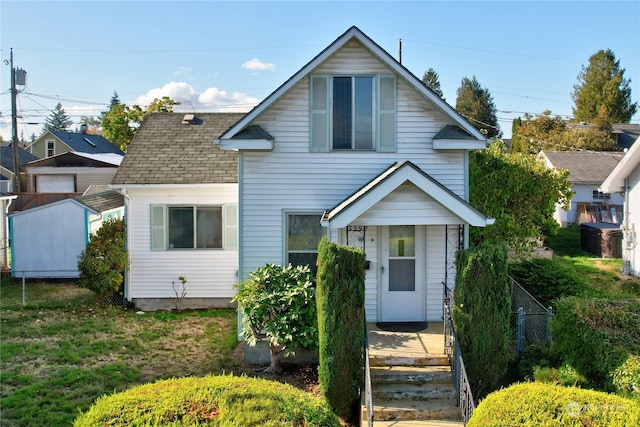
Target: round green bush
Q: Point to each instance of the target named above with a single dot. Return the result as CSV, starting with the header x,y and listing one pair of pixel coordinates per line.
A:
x,y
538,404
213,400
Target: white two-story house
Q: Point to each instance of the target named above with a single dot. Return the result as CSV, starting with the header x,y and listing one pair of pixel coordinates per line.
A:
x,y
356,148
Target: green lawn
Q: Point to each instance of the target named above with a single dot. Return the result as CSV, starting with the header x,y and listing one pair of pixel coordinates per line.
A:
x,y
58,355
602,276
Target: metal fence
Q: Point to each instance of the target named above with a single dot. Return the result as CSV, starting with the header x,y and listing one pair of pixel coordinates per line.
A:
x,y
530,320
48,289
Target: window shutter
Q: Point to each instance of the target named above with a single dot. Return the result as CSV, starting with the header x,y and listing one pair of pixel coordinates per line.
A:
x,y
158,233
387,113
319,114
230,218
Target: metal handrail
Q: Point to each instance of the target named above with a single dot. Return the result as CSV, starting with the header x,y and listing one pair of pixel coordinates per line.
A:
x,y
464,396
367,377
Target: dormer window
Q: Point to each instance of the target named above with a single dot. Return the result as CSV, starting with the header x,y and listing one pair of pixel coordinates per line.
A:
x,y
356,112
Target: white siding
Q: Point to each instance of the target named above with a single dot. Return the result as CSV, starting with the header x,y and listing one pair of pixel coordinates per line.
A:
x,y
47,241
632,252
210,273
583,193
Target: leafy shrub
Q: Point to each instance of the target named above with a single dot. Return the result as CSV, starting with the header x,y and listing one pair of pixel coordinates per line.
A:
x,y
103,261
537,355
626,377
278,304
212,400
564,375
481,314
340,300
596,335
538,404
546,279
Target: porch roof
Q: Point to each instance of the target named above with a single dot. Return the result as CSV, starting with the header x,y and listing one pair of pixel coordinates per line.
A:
x,y
387,182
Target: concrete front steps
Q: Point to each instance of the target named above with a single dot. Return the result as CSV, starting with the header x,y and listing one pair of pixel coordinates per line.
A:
x,y
413,391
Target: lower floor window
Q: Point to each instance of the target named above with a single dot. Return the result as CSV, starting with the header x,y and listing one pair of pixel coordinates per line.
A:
x,y
304,232
195,227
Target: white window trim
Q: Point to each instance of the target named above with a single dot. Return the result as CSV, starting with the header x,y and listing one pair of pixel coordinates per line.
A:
x,y
159,230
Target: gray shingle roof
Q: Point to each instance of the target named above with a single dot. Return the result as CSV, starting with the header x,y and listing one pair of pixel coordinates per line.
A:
x,y
86,143
101,202
6,157
585,167
166,151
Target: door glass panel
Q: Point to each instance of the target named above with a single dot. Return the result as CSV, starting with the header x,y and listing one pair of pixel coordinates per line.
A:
x,y
402,262
402,274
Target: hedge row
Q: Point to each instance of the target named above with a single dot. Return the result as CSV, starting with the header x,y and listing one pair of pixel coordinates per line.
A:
x,y
537,404
597,336
213,400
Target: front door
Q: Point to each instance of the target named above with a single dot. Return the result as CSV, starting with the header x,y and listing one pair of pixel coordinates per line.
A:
x,y
402,273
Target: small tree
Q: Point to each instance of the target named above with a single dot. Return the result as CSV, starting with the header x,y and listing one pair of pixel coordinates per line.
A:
x,y
103,261
341,325
431,79
58,119
278,304
481,314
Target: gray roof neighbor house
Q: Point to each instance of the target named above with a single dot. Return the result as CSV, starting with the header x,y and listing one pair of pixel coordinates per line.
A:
x,y
174,148
585,167
87,143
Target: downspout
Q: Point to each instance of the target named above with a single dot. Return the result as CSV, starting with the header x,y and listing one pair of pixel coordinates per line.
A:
x,y
240,239
127,200
626,260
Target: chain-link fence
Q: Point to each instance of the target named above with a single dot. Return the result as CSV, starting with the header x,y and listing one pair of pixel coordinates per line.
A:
x,y
530,320
48,289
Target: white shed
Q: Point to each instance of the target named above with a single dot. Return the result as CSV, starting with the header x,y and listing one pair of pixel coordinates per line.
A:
x,y
47,240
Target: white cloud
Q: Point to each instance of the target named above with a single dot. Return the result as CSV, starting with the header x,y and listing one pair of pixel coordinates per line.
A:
x,y
212,99
256,64
181,71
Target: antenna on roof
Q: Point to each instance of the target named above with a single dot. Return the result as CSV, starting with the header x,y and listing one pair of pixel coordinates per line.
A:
x,y
400,51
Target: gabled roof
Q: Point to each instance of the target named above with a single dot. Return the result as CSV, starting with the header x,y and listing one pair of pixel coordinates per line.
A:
x,y
375,49
629,163
167,151
76,159
6,157
86,143
585,167
385,183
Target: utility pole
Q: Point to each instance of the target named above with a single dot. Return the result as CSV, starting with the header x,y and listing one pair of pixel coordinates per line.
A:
x,y
14,129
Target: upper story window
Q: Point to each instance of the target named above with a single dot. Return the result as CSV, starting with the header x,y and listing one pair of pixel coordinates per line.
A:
x,y
51,147
356,112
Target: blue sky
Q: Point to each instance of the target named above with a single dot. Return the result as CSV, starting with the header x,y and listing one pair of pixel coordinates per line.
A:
x,y
229,55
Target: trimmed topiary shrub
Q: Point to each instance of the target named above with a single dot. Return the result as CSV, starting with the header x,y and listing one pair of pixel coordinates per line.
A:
x,y
626,377
546,279
481,314
537,404
340,299
596,335
213,400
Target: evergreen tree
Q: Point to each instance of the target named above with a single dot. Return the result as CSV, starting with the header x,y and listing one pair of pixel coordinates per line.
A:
x,y
518,143
430,79
602,83
115,100
57,120
476,104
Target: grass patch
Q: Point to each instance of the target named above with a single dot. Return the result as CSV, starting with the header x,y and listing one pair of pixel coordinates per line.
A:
x,y
57,357
602,277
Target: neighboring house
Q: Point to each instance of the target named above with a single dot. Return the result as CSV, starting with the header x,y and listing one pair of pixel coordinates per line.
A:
x,y
587,170
625,179
66,175
181,211
625,134
47,240
6,166
356,148
54,142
